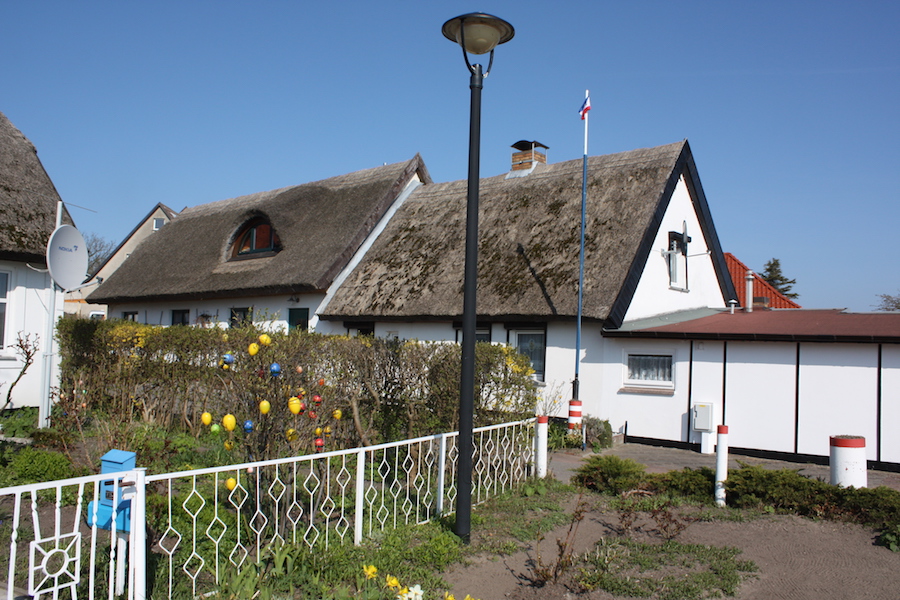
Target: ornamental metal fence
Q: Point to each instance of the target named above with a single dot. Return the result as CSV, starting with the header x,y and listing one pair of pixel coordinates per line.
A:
x,y
181,534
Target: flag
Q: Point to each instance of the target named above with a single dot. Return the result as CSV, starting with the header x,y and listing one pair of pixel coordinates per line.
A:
x,y
585,107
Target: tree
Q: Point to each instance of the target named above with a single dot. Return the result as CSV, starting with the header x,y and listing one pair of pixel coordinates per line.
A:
x,y
99,249
889,302
772,274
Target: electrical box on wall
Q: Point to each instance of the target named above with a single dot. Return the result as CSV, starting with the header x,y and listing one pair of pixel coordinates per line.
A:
x,y
703,417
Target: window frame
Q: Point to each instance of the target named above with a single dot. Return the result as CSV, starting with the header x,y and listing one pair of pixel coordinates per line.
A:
x,y
676,261
513,333
4,300
185,313
294,323
660,386
250,229
130,315
238,315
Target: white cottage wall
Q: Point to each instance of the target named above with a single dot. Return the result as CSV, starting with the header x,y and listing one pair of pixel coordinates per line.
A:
x,y
27,311
838,385
653,295
760,395
890,403
707,377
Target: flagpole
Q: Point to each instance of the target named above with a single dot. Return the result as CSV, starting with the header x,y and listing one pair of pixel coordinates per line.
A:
x,y
575,405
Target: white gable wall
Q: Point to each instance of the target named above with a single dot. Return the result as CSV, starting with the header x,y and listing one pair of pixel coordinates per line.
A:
x,y
653,295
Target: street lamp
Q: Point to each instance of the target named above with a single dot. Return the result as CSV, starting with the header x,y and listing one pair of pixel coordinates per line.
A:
x,y
476,33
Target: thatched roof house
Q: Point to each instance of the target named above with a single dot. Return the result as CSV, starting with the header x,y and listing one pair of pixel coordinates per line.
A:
x,y
528,243
317,228
28,199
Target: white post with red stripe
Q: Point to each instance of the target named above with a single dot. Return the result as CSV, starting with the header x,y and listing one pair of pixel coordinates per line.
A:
x,y
574,415
848,461
721,464
541,434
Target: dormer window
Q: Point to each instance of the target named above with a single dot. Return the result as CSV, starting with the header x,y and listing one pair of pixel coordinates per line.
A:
x,y
676,259
257,238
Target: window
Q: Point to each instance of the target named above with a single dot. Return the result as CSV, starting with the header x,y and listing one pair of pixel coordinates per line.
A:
x,y
257,238
239,316
676,260
4,293
482,332
158,223
298,318
533,345
650,371
130,315
181,317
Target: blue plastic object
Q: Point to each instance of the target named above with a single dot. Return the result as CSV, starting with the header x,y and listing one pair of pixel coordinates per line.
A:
x,y
113,461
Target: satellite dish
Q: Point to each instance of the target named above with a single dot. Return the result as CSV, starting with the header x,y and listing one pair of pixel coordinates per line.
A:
x,y
67,257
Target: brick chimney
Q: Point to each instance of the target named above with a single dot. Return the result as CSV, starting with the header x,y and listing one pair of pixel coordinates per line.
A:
x,y
527,155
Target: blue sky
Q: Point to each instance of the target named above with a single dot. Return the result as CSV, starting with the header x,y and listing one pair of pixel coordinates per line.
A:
x,y
791,108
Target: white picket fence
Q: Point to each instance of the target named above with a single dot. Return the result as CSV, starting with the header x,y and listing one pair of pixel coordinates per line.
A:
x,y
189,530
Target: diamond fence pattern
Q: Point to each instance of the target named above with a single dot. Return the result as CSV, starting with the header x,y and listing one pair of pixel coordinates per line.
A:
x,y
203,525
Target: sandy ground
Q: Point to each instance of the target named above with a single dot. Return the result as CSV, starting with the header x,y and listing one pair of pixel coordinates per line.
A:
x,y
798,558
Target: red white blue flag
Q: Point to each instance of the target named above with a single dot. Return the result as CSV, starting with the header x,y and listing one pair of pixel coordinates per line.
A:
x,y
585,107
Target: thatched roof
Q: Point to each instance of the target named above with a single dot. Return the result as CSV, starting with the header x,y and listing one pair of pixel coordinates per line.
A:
x,y
320,225
28,198
528,243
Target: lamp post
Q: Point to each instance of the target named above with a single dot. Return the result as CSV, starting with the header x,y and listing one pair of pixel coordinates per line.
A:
x,y
476,33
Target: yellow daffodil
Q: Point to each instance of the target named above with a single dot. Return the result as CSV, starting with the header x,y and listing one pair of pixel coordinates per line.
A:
x,y
370,570
449,596
392,582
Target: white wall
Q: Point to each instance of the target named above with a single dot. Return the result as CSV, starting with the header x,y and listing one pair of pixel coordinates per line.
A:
x,y
653,295
707,377
760,395
890,403
27,311
838,384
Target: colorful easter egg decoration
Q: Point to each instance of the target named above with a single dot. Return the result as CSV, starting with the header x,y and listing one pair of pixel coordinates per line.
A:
x,y
264,339
214,428
313,415
231,483
322,382
301,392
320,444
228,358
317,400
302,407
206,418
299,370
229,445
318,431
248,426
253,349
294,405
337,414
327,431
228,422
275,369
292,435
264,407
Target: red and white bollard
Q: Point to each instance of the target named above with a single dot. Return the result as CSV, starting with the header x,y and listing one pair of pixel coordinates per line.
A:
x,y
721,464
848,461
541,435
574,414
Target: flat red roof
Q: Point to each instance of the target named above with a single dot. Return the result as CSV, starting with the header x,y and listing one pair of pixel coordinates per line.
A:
x,y
831,325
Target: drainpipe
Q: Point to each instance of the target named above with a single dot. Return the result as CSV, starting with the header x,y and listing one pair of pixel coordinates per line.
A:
x,y
749,277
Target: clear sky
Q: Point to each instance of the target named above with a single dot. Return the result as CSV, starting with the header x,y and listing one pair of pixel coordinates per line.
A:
x,y
792,108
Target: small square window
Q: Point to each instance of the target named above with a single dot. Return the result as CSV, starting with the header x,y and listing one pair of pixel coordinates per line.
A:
x,y
130,315
181,317
239,316
298,318
532,344
158,223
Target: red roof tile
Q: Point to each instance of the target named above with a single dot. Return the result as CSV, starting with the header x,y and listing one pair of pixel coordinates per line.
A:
x,y
761,287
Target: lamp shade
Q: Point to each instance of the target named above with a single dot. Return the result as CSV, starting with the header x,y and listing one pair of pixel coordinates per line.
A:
x,y
480,32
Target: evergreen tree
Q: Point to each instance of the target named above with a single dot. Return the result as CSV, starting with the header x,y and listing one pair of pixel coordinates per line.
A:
x,y
772,274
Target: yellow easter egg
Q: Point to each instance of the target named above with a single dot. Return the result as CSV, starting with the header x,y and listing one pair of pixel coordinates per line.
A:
x,y
294,405
264,339
228,422
253,349
230,483
318,431
337,414
265,407
292,435
206,418
229,445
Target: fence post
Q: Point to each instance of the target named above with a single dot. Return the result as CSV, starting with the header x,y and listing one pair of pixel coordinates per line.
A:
x,y
721,464
138,552
441,474
360,496
541,433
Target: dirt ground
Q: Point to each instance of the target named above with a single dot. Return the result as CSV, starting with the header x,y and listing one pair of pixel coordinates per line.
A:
x,y
798,558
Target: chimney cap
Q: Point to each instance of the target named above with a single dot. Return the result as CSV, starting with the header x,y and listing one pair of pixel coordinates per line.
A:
x,y
523,145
